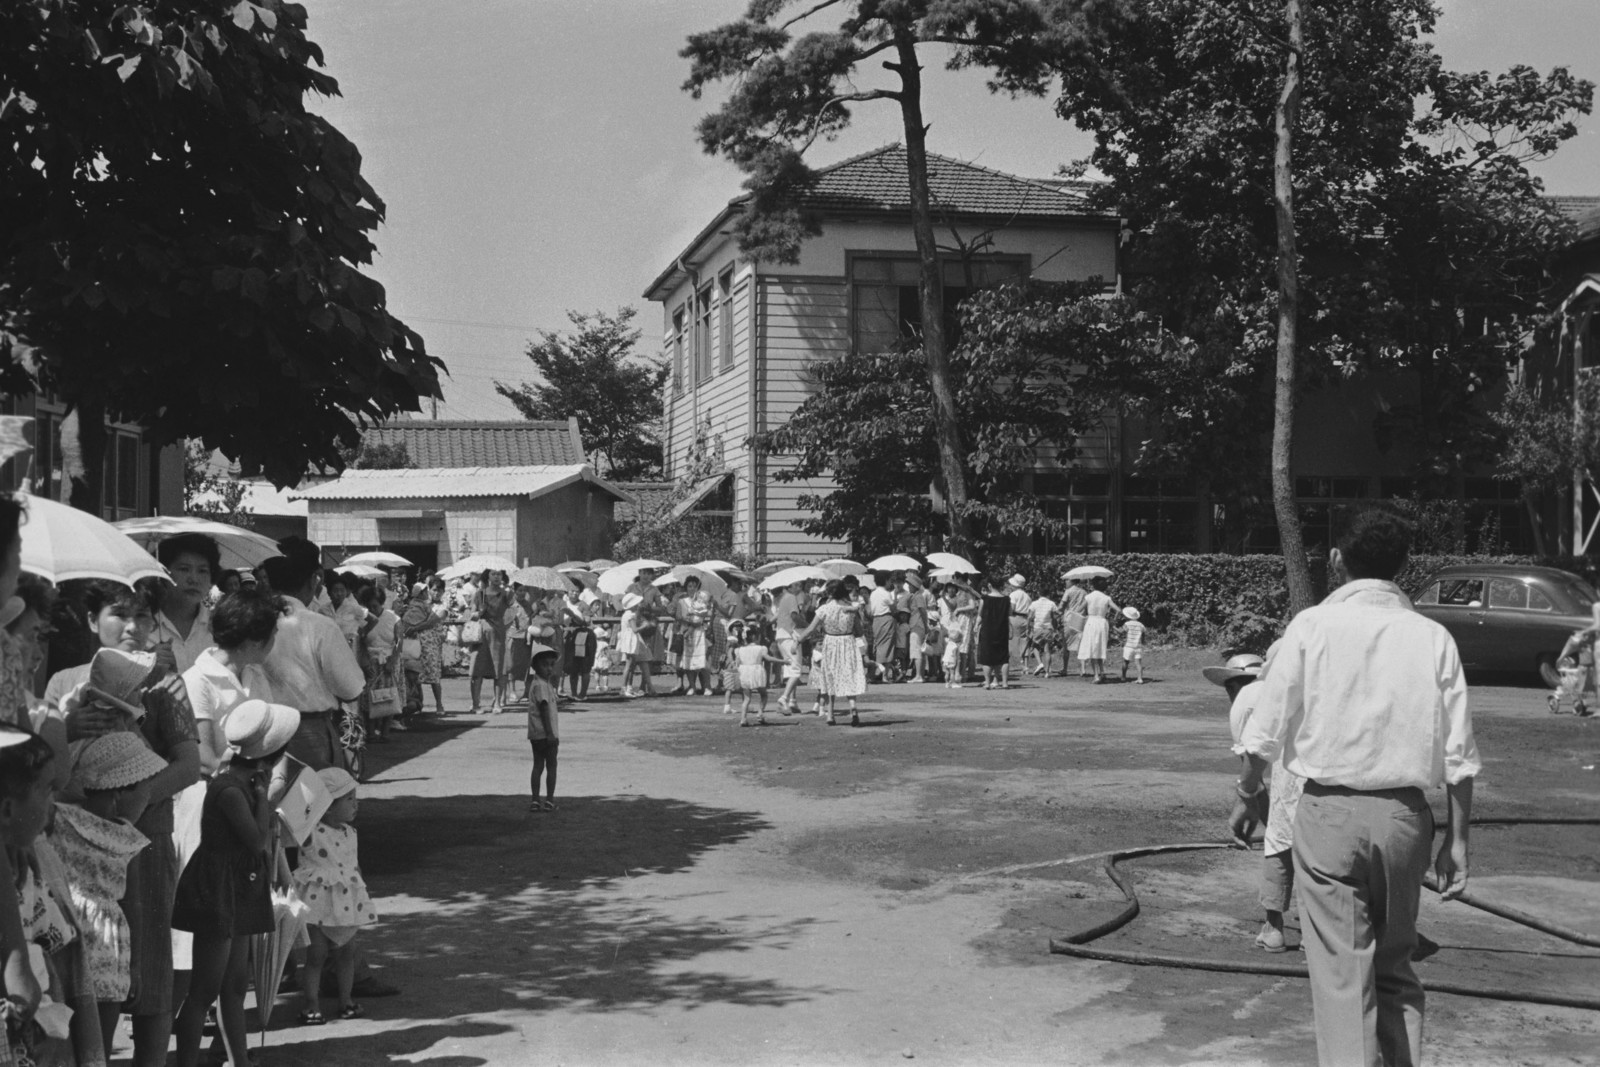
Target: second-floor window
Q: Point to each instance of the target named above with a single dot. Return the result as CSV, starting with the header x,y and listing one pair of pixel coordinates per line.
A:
x,y
886,308
725,321
702,335
678,329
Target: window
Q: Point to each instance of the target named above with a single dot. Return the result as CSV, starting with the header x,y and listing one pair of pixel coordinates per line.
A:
x,y
1539,600
119,484
1455,593
702,335
1164,520
677,350
1507,593
725,320
886,308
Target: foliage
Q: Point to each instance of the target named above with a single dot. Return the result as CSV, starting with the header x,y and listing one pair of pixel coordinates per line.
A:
x,y
208,494
1422,235
377,456
1017,374
180,237
1548,442
684,540
789,91
594,374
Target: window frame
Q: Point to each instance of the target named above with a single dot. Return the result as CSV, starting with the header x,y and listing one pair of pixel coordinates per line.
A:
x,y
679,317
724,317
1022,260
702,307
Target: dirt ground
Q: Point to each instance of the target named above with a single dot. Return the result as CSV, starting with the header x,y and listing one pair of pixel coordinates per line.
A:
x,y
800,894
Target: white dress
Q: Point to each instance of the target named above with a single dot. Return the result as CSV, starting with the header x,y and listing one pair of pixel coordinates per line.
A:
x,y
1096,626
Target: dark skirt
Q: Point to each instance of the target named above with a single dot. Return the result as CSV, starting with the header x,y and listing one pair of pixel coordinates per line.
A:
x,y
224,893
994,631
152,881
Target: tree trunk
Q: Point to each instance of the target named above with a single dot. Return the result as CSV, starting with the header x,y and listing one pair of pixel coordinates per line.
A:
x,y
930,292
1283,499
83,447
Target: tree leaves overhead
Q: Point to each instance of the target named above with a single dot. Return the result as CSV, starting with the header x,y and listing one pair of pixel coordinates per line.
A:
x,y
180,239
593,373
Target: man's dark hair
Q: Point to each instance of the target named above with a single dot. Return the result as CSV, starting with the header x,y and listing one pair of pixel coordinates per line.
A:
x,y
248,615
22,763
194,544
1374,543
301,560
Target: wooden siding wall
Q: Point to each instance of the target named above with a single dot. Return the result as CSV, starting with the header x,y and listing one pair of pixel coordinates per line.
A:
x,y
802,319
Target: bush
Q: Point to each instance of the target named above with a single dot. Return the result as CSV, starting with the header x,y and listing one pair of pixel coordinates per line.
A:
x,y
685,540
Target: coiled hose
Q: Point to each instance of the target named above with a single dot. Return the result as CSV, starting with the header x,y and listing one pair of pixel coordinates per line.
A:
x,y
1077,944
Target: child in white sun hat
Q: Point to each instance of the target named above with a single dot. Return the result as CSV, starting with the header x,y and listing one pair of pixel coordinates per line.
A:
x,y
1132,645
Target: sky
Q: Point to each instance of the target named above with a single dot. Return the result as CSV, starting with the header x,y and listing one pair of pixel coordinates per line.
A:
x,y
538,156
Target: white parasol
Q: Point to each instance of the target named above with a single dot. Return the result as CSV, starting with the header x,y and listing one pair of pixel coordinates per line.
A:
x,y
766,570
1087,572
380,559
60,543
894,562
477,565
615,581
241,549
710,581
951,562
798,573
602,564
718,565
360,570
546,579
838,568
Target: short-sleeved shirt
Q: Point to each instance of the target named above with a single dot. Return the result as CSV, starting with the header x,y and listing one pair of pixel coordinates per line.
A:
x,y
185,649
214,690
881,602
311,666
1133,634
541,693
1039,612
1020,601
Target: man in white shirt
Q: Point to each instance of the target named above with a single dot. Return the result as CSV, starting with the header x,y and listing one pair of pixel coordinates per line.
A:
x,y
1017,635
311,667
1366,700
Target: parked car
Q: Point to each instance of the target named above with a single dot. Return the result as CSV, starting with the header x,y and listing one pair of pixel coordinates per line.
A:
x,y
1508,618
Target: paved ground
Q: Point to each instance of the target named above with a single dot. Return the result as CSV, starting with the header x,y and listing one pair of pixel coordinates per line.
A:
x,y
809,895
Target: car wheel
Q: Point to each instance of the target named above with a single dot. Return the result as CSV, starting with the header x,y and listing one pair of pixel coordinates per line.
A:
x,y
1548,672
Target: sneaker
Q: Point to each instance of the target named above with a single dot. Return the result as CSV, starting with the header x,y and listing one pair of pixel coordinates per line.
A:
x,y
402,727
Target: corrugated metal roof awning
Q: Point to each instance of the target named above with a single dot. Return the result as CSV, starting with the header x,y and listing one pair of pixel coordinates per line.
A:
x,y
455,482
700,491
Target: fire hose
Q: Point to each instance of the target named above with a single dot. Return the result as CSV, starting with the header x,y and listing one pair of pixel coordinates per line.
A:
x,y
1077,944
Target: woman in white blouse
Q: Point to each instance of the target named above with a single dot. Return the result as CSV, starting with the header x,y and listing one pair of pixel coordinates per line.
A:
x,y
243,627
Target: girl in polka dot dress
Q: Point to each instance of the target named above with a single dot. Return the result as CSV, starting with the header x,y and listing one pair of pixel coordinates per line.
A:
x,y
337,905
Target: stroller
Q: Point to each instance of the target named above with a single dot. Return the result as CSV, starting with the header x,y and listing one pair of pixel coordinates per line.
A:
x,y
1575,666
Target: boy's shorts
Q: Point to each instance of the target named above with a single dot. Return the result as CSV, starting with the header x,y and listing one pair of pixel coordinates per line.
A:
x,y
1131,654
547,747
791,658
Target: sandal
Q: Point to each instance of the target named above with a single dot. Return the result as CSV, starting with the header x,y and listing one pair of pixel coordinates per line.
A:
x,y
855,720
351,1011
312,1018
535,806
550,805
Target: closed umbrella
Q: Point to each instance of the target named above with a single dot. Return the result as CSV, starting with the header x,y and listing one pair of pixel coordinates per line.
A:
x,y
838,568
477,565
270,951
616,580
240,549
798,573
545,579
380,559
894,562
1087,572
710,581
951,562
60,543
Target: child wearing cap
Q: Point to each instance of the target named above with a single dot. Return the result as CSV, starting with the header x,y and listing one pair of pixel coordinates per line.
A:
x,y
95,838
223,894
337,903
729,667
544,730
1132,644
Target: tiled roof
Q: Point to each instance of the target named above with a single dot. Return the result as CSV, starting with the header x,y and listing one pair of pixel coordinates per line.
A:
x,y
416,483
514,443
648,499
877,181
1584,211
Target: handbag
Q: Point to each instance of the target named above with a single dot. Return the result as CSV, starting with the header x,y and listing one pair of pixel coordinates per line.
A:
x,y
471,632
385,696
411,648
676,646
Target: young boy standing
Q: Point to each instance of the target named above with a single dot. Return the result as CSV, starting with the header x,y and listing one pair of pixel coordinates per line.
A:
x,y
544,730
1132,644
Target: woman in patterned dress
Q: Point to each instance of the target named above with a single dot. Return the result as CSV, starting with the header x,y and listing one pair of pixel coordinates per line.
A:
x,y
843,673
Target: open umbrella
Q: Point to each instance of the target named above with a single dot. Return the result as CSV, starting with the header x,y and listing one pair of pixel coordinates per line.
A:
x,y
586,578
710,581
240,549
573,564
951,577
1087,572
380,559
60,543
360,570
546,579
718,565
767,570
894,562
602,564
477,565
838,568
616,580
951,562
798,573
